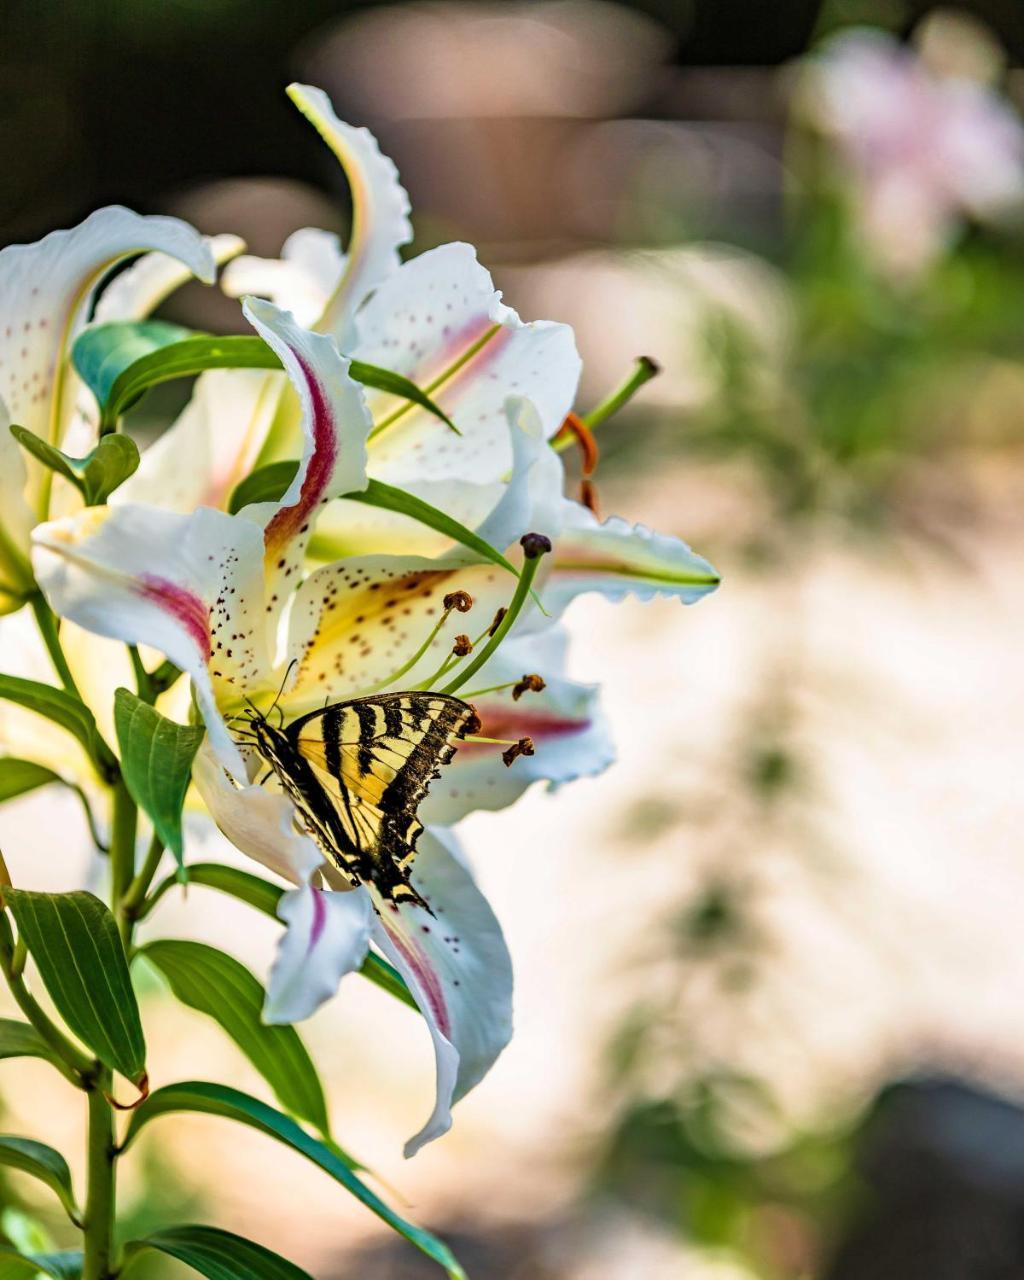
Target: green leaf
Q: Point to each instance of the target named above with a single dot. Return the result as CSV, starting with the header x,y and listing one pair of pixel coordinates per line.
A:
x,y
217,1254
258,893
121,361
18,777
220,1100
22,1040
62,708
74,941
42,1162
265,896
269,483
95,476
388,498
266,484
372,375
66,1265
103,352
216,984
156,762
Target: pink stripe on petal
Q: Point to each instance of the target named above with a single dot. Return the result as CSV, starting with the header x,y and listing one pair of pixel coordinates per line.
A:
x,y
427,978
319,919
289,520
539,725
188,609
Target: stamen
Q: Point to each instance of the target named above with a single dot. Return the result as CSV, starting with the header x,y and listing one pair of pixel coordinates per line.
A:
x,y
524,747
496,622
460,600
575,429
408,666
535,547
462,646
528,684
532,683
588,495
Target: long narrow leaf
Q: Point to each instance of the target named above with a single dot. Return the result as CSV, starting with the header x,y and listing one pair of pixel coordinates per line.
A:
x,y
219,986
43,1163
63,709
18,777
219,1255
22,1040
231,1104
74,941
121,361
66,1265
269,484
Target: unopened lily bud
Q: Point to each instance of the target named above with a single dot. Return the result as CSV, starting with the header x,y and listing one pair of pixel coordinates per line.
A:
x,y
529,684
496,622
462,646
460,600
534,545
524,747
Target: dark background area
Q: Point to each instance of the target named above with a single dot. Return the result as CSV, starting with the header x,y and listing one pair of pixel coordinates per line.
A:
x,y
128,100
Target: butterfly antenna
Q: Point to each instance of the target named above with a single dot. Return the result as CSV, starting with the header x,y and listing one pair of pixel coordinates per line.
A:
x,y
274,705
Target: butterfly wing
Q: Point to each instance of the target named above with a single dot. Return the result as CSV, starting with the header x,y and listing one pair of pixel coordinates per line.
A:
x,y
374,759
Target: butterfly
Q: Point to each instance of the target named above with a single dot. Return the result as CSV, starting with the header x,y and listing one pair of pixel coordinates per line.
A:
x,y
357,772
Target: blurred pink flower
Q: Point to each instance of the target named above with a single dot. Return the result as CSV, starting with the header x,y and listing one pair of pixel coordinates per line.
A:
x,y
925,151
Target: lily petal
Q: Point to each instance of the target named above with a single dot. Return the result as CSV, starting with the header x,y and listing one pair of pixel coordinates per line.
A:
x,y
380,211
212,445
16,521
335,425
327,936
256,820
571,737
301,280
458,969
189,586
45,292
358,620
439,321
139,290
617,559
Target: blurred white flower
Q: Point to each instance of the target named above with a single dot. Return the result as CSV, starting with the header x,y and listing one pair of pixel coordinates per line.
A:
x,y
926,151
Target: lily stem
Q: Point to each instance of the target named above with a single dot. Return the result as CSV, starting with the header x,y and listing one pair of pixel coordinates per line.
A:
x,y
123,828
135,894
49,630
99,1219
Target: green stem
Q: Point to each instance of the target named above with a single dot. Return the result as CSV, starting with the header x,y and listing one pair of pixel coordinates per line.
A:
x,y
101,1181
529,571
135,894
48,629
643,371
122,856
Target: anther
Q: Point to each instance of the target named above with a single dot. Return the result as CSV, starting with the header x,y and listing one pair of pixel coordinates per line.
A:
x,y
534,545
524,747
529,684
460,600
499,617
462,646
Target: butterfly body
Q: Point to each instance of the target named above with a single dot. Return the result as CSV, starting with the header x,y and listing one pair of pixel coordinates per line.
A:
x,y
357,772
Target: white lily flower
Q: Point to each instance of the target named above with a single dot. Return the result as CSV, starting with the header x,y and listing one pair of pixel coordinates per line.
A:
x,y
225,597
437,319
46,290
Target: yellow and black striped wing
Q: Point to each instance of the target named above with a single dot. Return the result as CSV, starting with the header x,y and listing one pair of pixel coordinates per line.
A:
x,y
374,759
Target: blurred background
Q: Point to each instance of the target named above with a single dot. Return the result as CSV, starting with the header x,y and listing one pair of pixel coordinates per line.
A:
x,y
769,966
